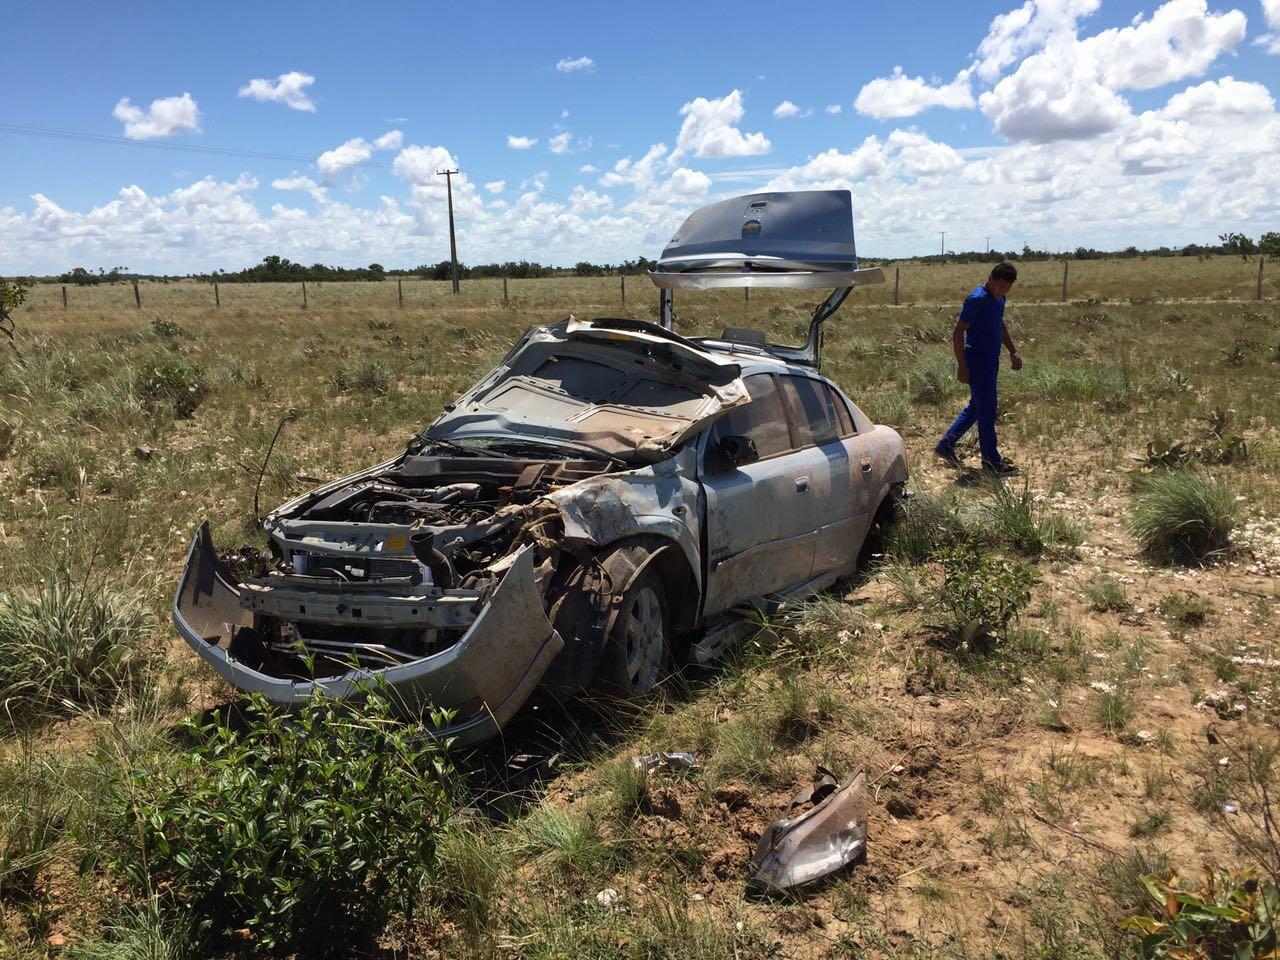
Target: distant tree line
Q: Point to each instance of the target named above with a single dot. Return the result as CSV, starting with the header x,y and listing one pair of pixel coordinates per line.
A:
x,y
275,269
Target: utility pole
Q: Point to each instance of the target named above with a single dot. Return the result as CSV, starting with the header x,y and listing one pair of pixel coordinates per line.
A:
x,y
453,241
944,245
988,244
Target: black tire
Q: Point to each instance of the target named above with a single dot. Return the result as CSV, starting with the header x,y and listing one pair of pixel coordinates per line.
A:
x,y
637,651
885,517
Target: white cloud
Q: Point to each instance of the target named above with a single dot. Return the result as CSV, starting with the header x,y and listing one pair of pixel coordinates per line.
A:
x,y
785,109
566,65
496,186
564,114
561,142
289,88
1181,40
351,154
163,118
587,168
918,155
1216,100
300,182
391,140
685,184
1013,35
833,108
865,161
418,165
520,143
588,202
709,130
903,96
640,173
1054,95
1270,13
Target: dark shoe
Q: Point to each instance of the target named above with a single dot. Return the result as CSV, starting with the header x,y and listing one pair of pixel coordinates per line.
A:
x,y
948,454
1002,469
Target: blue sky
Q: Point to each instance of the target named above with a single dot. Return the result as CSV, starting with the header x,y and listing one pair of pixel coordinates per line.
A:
x,y
1054,122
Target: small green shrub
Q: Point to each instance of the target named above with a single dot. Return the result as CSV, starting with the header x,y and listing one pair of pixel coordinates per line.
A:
x,y
361,376
70,645
1188,608
169,329
1233,914
32,812
888,407
1182,516
980,596
309,830
172,384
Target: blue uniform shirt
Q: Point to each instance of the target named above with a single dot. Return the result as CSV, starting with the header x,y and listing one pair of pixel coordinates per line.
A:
x,y
984,314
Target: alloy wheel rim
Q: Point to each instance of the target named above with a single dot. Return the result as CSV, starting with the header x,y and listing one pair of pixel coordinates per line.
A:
x,y
645,640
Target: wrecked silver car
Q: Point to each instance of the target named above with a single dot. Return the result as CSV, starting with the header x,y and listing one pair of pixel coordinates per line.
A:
x,y
603,504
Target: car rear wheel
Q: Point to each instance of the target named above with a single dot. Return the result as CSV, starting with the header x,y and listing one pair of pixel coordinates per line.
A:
x,y
637,651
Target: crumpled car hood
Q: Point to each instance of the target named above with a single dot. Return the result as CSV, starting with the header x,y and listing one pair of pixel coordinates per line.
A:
x,y
619,387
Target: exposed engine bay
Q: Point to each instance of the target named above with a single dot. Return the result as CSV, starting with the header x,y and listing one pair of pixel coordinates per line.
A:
x,y
395,564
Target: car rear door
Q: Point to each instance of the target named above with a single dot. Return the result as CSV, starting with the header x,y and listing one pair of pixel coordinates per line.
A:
x,y
759,515
823,429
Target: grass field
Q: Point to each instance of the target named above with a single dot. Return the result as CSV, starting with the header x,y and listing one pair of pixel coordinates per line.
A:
x,y
1123,723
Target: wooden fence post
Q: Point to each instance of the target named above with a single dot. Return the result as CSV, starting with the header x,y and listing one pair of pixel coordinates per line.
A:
x,y
1065,263
746,294
400,291
137,296
217,298
505,301
622,284
304,294
64,298
896,272
1261,259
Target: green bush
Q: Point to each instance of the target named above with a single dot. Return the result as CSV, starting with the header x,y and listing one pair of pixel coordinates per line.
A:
x,y
1013,518
981,595
1182,516
933,379
360,376
69,645
1232,915
309,830
170,382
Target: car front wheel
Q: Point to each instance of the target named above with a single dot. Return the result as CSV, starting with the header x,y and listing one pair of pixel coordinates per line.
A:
x,y
636,651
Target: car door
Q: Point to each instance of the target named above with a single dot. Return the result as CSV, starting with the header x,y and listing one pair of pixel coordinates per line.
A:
x,y
823,436
759,519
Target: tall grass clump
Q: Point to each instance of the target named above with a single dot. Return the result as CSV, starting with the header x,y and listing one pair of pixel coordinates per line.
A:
x,y
1014,518
932,379
68,646
1182,516
170,383
59,461
308,831
361,376
922,527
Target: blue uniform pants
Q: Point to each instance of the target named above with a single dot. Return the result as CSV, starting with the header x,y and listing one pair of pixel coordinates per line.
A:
x,y
981,409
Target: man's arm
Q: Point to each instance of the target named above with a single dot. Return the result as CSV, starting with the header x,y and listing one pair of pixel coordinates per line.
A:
x,y
957,347
1015,361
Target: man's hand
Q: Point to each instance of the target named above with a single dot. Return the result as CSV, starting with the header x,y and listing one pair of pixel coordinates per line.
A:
x,y
1015,361
962,373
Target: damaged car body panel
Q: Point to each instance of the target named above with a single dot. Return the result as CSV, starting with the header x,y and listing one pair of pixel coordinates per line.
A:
x,y
596,508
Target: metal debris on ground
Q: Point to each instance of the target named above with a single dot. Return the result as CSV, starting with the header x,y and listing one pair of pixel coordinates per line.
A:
x,y
809,845
665,761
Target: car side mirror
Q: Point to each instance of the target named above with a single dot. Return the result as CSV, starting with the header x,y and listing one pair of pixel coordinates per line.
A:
x,y
738,450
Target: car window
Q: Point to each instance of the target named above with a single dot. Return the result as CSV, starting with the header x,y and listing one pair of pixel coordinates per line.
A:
x,y
842,412
763,419
812,414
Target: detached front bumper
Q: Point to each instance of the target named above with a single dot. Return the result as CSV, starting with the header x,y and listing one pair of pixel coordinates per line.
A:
x,y
485,677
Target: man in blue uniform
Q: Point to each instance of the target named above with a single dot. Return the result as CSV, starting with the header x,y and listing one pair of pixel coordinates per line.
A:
x,y
976,341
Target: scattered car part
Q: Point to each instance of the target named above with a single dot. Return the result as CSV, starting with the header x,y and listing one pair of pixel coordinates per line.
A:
x,y
822,840
665,761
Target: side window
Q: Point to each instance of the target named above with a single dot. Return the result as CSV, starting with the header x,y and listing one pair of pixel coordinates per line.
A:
x,y
842,413
763,419
812,412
